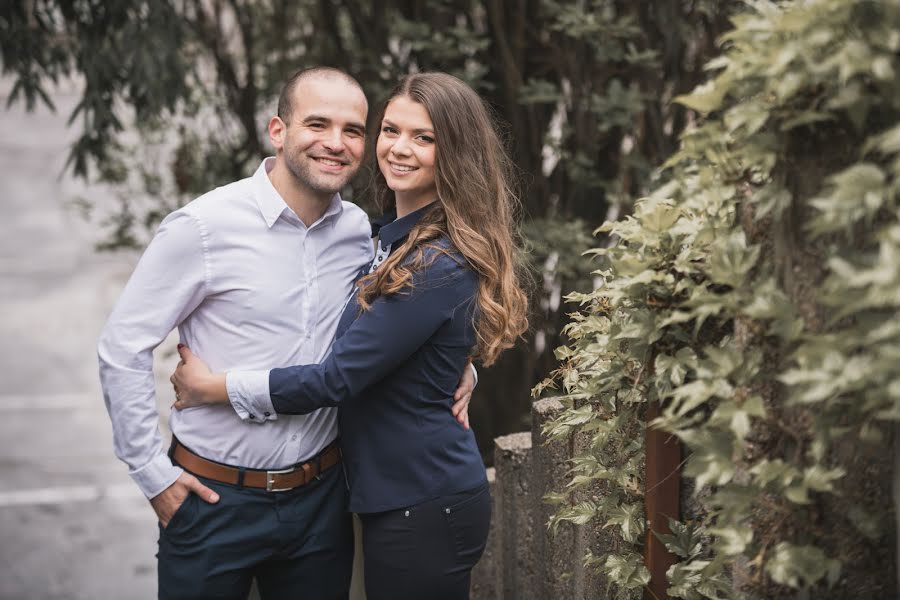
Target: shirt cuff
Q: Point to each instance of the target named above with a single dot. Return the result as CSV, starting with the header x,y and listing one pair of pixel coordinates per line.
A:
x,y
158,474
248,392
474,374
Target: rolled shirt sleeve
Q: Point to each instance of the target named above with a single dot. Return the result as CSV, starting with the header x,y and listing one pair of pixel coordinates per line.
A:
x,y
168,283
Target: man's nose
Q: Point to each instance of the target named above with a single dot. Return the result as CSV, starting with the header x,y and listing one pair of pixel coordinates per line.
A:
x,y
334,141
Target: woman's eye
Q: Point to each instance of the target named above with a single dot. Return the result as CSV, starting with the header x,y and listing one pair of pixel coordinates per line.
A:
x,y
387,129
427,139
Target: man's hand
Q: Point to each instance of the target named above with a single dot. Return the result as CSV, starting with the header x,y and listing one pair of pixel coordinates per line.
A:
x,y
170,499
462,396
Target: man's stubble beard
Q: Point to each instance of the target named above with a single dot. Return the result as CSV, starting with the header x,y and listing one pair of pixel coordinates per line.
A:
x,y
302,172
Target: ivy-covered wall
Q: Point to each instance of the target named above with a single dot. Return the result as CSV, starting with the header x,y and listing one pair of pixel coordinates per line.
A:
x,y
756,296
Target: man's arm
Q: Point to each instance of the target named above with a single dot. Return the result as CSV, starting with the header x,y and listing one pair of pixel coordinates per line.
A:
x,y
168,283
463,394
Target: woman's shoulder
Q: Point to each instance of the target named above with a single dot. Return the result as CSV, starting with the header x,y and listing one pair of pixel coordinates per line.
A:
x,y
441,260
442,254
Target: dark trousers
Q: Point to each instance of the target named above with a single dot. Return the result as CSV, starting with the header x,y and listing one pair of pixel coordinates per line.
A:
x,y
297,544
426,551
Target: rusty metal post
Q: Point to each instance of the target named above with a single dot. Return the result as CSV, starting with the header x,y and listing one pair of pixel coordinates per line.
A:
x,y
662,482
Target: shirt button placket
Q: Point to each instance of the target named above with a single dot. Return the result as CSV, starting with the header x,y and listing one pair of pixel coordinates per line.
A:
x,y
307,280
313,286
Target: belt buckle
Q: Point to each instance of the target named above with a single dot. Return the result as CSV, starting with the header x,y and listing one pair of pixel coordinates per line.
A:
x,y
270,479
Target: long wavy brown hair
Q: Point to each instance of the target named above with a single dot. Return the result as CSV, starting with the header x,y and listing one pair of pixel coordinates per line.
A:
x,y
476,206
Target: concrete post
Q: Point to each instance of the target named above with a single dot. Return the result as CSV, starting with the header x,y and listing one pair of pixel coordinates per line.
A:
x,y
517,573
560,566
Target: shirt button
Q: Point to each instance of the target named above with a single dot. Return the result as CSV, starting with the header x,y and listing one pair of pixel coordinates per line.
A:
x,y
268,414
252,416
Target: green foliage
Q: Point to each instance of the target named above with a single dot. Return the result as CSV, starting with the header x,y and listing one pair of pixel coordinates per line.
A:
x,y
764,368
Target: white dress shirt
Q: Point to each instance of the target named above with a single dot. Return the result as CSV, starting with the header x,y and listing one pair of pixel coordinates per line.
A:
x,y
249,287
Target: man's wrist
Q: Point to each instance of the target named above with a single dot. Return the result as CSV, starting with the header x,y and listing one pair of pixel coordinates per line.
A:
x,y
156,476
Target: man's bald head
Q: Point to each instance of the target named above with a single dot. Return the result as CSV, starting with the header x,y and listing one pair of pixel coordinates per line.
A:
x,y
285,100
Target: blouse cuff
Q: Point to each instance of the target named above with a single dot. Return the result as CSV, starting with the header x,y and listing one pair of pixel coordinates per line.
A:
x,y
248,392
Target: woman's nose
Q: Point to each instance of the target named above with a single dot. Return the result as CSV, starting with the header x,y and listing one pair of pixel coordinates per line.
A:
x,y
400,147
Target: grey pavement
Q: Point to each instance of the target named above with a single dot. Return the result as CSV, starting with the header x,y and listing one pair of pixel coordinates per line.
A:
x,y
72,524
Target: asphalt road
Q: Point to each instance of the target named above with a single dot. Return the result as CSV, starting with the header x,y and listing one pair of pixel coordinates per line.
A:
x,y
72,523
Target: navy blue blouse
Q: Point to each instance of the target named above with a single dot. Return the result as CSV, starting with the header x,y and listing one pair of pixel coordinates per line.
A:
x,y
393,370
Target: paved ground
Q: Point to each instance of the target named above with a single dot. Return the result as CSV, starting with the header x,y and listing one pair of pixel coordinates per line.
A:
x,y
72,524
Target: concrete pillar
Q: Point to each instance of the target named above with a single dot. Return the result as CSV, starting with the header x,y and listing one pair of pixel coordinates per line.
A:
x,y
485,575
517,573
594,536
560,565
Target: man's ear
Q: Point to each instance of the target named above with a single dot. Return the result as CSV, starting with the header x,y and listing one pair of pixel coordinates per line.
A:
x,y
277,130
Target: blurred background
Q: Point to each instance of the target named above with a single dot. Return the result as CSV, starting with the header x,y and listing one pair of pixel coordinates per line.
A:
x,y
73,523
170,99
118,112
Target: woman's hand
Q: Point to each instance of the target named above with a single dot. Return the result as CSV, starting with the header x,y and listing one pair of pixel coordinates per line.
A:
x,y
195,384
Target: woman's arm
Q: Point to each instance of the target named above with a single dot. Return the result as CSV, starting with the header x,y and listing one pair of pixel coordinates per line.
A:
x,y
381,339
195,384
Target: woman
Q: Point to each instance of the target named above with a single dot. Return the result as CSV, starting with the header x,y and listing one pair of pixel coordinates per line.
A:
x,y
442,288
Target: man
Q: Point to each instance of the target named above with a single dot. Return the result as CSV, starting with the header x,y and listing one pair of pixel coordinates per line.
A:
x,y
254,275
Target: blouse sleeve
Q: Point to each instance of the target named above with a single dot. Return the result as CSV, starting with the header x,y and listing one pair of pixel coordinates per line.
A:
x,y
379,341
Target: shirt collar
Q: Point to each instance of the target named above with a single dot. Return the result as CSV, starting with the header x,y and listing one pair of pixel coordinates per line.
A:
x,y
272,205
389,228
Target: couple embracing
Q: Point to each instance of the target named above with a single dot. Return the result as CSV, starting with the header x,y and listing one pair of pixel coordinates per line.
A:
x,y
273,282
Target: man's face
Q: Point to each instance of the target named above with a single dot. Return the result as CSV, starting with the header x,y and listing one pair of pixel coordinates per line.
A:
x,y
324,141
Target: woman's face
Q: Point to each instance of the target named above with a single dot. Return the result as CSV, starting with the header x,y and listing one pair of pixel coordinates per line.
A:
x,y
406,152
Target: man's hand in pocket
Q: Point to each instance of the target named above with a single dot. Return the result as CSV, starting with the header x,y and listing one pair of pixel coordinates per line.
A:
x,y
170,499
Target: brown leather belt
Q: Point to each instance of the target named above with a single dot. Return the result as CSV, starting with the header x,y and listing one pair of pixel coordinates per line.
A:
x,y
279,480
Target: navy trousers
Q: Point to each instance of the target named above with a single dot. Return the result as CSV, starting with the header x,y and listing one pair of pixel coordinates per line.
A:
x,y
427,551
297,544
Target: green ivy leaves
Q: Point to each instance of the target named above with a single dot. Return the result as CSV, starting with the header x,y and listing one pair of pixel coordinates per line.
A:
x,y
698,310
